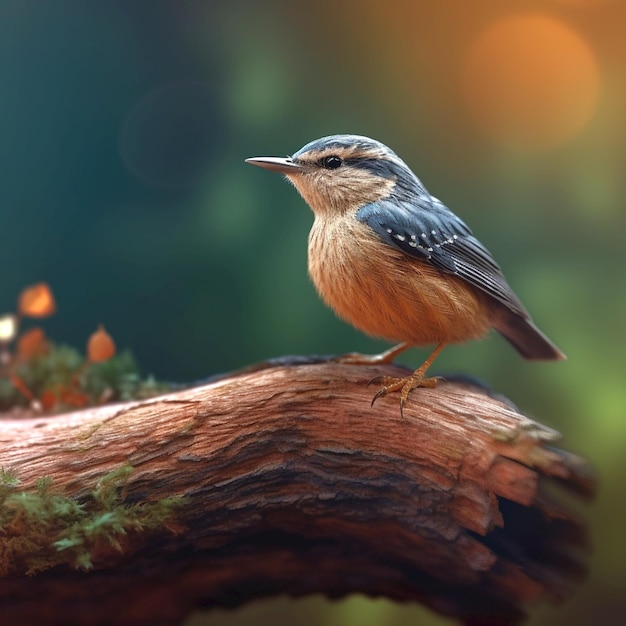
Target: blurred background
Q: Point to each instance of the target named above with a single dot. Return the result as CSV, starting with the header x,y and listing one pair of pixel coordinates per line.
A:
x,y
123,130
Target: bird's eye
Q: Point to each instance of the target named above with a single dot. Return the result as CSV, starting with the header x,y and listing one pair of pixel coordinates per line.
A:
x,y
332,162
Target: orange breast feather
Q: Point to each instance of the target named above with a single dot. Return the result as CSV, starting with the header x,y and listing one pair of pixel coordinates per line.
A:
x,y
385,293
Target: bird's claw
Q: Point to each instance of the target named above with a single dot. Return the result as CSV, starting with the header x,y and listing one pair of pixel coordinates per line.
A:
x,y
404,385
379,394
387,384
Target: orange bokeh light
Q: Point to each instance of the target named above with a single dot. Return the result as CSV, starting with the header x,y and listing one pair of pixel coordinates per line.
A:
x,y
585,3
531,82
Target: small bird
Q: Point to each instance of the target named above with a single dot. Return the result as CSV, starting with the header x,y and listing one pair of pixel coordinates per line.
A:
x,y
395,262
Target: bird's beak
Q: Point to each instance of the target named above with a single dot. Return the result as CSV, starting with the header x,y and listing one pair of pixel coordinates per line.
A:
x,y
276,164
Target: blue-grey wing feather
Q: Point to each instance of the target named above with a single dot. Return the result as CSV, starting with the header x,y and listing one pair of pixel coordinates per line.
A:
x,y
423,227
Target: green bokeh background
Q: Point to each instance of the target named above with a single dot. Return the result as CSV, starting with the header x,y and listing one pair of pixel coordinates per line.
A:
x,y
123,129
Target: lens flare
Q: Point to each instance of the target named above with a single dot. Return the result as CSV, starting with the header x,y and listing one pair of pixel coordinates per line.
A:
x,y
531,82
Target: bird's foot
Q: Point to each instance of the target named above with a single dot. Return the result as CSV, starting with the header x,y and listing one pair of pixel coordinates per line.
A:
x,y
404,385
355,358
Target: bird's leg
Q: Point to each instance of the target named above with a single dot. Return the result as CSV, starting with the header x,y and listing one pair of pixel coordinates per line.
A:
x,y
408,383
354,358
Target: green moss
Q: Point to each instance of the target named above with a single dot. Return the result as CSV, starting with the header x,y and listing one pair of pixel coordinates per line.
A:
x,y
63,368
40,528
119,377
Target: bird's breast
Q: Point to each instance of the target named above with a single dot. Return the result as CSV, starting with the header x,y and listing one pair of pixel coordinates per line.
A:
x,y
386,293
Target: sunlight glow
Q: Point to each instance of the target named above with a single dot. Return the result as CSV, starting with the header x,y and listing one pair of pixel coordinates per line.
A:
x,y
531,82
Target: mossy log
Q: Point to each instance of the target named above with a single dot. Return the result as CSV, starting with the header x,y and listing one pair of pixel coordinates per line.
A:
x,y
282,479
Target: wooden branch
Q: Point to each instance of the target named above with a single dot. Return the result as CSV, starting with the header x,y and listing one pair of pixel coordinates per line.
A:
x,y
293,484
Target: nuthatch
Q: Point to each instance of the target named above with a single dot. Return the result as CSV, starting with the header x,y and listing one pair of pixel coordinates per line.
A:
x,y
395,262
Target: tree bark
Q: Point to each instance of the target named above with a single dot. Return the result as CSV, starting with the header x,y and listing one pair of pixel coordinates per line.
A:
x,y
293,484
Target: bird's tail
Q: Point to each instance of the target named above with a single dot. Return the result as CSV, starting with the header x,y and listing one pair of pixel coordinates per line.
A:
x,y
527,339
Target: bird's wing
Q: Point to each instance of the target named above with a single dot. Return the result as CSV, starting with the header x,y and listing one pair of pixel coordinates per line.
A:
x,y
426,229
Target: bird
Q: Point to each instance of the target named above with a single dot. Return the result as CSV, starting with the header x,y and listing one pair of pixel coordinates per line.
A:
x,y
395,262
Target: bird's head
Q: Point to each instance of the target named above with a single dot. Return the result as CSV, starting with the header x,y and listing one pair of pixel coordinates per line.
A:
x,y
342,173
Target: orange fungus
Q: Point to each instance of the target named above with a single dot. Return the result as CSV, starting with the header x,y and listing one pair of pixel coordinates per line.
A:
x,y
32,343
100,346
37,301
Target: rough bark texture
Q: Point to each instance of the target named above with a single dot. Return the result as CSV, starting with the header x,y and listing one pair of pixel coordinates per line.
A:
x,y
295,485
